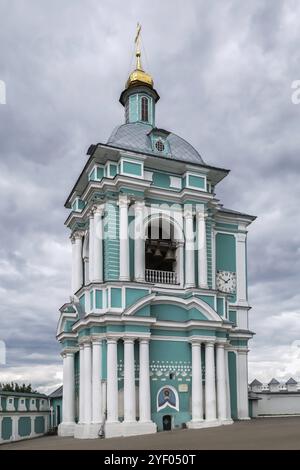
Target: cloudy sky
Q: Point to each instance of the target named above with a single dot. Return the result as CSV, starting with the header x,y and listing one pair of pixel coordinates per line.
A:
x,y
224,71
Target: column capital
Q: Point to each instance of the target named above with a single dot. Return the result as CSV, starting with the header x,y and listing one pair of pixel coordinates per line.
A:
x,y
196,342
112,339
79,234
241,237
99,209
209,343
139,205
188,213
69,353
220,345
96,341
87,344
123,201
128,340
81,346
201,215
144,340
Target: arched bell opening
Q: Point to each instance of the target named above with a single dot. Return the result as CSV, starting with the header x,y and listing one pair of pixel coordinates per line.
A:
x,y
161,254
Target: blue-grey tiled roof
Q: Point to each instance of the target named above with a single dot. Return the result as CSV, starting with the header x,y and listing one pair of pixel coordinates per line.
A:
x,y
291,381
273,382
255,382
57,393
134,136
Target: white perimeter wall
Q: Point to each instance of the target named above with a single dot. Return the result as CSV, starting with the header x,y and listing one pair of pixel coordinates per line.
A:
x,y
277,404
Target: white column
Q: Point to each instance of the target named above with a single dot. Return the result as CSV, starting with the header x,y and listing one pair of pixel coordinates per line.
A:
x,y
202,251
242,384
86,271
221,383
73,285
139,242
97,389
210,383
91,246
78,261
81,384
112,381
197,399
241,269
124,239
144,382
68,388
87,354
98,244
129,381
189,249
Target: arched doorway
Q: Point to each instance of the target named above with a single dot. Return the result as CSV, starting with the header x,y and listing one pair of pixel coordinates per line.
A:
x,y
167,422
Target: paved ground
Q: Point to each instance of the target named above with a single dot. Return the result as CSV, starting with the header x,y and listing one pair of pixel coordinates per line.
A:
x,y
262,433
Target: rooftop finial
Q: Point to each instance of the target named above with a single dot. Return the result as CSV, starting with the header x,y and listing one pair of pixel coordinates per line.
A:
x,y
138,47
139,76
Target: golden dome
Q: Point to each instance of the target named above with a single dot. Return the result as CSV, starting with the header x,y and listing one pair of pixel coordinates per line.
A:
x,y
139,76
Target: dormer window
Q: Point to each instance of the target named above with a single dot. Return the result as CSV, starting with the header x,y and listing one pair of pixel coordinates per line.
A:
x,y
144,109
160,146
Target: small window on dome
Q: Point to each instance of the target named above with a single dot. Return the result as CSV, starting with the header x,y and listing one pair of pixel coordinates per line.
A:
x,y
144,109
160,146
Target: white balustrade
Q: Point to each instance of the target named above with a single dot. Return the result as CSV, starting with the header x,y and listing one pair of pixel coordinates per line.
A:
x,y
161,277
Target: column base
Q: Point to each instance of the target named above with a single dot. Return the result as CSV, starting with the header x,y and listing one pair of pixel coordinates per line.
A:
x,y
203,424
136,428
87,431
226,421
246,418
113,429
66,429
203,286
124,278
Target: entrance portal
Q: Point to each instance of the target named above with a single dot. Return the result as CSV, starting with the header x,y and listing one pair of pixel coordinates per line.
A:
x,y
167,422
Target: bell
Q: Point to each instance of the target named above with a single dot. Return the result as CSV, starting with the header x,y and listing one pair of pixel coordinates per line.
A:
x,y
157,253
149,250
170,255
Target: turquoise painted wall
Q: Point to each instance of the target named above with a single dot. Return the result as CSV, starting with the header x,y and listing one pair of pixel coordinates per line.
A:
x,y
134,111
134,169
176,351
209,250
111,242
175,313
233,383
116,297
133,295
196,181
220,306
99,299
232,316
162,180
225,252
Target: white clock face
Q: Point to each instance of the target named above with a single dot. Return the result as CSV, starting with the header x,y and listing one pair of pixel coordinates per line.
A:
x,y
226,281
